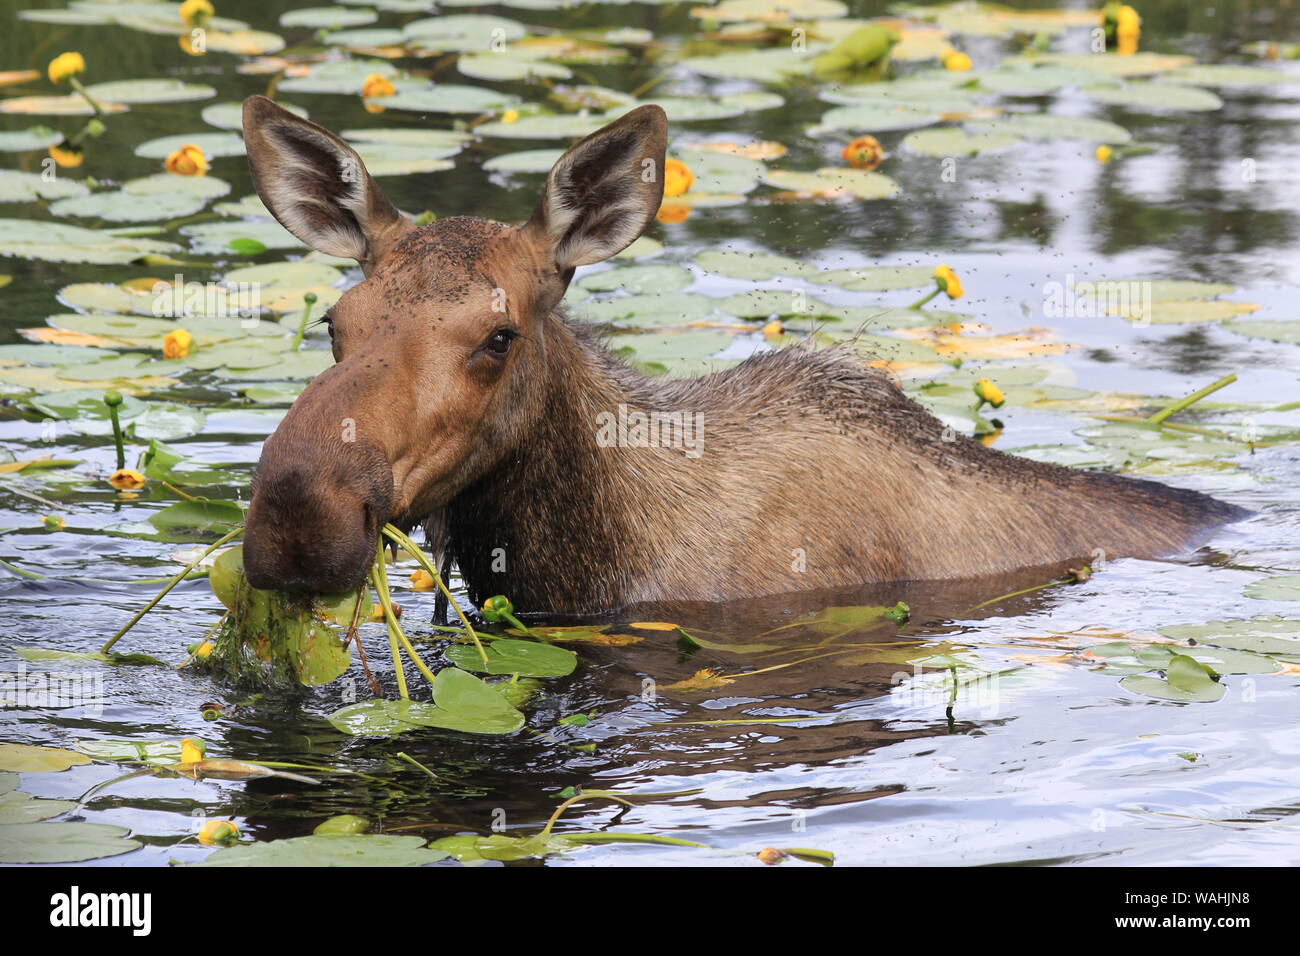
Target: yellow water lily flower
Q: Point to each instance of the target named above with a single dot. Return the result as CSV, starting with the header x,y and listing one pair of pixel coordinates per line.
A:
x,y
949,282
422,580
65,66
510,116
986,391
1104,153
186,42
193,750
956,61
678,178
673,214
377,85
53,522
1128,28
68,157
187,161
177,344
865,152
196,12
219,833
127,479
773,329
204,650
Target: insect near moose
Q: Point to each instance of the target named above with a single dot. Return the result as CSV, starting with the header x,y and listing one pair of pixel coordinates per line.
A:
x,y
475,403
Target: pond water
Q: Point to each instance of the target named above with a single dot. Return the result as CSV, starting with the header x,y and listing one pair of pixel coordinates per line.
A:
x,y
971,734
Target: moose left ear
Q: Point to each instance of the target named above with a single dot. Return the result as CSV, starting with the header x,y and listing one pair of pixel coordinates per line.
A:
x,y
603,192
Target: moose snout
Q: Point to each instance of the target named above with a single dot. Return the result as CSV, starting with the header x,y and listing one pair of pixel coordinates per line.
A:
x,y
316,514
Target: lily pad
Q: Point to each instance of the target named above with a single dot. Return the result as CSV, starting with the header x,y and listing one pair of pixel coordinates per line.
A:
x,y
18,807
1282,587
62,842
1274,636
460,702
22,758
756,266
835,181
319,18
638,279
650,309
1147,96
214,145
508,656
330,849
524,161
18,186
952,141
132,92
1049,126
1274,331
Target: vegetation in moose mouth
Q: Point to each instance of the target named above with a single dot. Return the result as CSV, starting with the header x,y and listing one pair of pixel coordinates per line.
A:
x,y
1073,254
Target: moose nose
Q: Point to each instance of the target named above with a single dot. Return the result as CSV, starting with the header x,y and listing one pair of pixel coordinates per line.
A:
x,y
315,516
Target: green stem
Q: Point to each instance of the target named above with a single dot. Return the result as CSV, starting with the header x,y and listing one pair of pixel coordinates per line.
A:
x,y
516,622
117,436
924,299
379,578
76,85
410,547
308,301
550,824
411,760
108,645
1175,407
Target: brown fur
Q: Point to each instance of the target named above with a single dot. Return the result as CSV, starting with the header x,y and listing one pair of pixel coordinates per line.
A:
x,y
815,472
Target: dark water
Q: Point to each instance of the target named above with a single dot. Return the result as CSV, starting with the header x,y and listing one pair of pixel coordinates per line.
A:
x,y
1048,761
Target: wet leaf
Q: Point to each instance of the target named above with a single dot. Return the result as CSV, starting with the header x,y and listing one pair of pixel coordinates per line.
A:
x,y
62,842
1282,587
18,807
23,758
506,656
378,849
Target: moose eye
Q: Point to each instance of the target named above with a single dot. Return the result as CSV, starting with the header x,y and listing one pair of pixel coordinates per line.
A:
x,y
499,342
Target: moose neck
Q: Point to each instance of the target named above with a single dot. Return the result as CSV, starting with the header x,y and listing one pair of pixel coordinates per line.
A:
x,y
561,523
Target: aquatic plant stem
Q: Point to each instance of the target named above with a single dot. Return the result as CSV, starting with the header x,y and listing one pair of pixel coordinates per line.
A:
x,y
354,635
378,577
309,299
108,645
90,100
410,547
1182,403
113,399
924,299
550,824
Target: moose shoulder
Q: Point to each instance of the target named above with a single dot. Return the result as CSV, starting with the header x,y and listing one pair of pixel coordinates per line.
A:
x,y
552,472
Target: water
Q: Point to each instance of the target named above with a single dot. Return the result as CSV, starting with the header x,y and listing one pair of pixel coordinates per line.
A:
x,y
1051,761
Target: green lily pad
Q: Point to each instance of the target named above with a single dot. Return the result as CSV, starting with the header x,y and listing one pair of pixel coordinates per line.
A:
x,y
17,186
1225,74
877,117
18,807
650,309
462,32
542,126
1186,680
62,842
1273,636
131,751
320,18
131,92
638,279
58,242
524,161
333,849
857,183
508,656
214,145
1049,126
952,141
764,303
756,266
1282,587
365,37
1146,96
501,847
215,237
449,98
22,758
191,520
877,278
1181,313
161,196
460,702
338,76
1274,330
503,67
34,137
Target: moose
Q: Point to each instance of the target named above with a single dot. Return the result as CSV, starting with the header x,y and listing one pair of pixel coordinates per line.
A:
x,y
463,398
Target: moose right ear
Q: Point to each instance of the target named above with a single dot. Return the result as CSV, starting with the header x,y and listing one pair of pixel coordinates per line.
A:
x,y
316,185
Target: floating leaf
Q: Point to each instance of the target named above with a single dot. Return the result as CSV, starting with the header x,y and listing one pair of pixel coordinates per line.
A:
x,y
461,702
1282,587
21,758
952,141
18,807
1049,126
1146,96
341,849
638,279
132,92
317,18
501,847
1274,636
17,186
834,182
62,842
57,242
507,656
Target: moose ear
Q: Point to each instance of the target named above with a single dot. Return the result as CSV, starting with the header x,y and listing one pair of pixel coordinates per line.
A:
x,y
316,185
603,191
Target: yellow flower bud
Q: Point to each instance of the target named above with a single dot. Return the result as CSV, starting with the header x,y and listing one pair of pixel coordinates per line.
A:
x,y
69,157
865,152
510,116
771,855
219,833
948,282
196,12
65,66
177,344
377,85
678,178
422,580
956,61
187,161
192,750
986,391
1104,153
127,479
